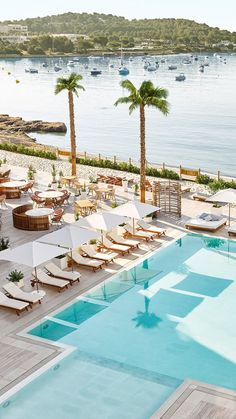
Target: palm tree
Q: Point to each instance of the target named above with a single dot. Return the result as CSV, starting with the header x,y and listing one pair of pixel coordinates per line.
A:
x,y
71,84
150,96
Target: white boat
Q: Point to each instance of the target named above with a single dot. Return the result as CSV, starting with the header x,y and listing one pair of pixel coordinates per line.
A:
x,y
70,64
187,61
31,70
180,77
111,65
57,68
201,68
172,67
146,65
152,67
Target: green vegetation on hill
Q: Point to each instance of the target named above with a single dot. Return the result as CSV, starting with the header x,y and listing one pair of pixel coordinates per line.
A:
x,y
107,32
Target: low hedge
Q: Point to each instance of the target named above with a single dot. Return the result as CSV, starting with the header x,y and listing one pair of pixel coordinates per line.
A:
x,y
29,151
126,167
215,184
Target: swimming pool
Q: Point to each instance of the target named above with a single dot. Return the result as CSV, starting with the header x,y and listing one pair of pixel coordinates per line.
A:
x,y
139,335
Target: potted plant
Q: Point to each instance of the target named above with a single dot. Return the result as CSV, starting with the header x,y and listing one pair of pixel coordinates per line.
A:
x,y
83,192
136,189
61,261
16,277
59,184
4,243
30,173
148,218
114,204
76,215
92,179
54,173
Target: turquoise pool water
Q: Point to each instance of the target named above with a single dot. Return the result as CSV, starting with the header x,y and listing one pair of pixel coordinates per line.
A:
x,y
139,335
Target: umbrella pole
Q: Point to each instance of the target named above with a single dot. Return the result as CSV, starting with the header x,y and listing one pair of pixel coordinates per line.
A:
x,y
229,214
37,282
72,264
133,226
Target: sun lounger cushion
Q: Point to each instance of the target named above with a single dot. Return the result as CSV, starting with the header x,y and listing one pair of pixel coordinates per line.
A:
x,y
17,293
91,252
11,303
49,280
201,224
120,239
85,261
56,271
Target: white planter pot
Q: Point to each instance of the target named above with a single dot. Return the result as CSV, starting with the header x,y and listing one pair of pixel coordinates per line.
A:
x,y
36,179
125,185
61,262
148,219
20,284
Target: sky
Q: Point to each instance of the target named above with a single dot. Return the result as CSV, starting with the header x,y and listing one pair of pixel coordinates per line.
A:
x,y
213,12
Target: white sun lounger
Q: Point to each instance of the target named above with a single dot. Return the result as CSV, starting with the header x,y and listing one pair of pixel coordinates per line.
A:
x,y
91,251
150,228
232,230
45,279
121,240
13,304
55,271
120,248
139,234
15,292
85,262
201,224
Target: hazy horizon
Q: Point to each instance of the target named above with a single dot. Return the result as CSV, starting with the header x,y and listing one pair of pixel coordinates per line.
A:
x,y
204,11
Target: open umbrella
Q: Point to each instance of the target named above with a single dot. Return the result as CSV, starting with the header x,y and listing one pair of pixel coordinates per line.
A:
x,y
31,254
135,210
227,196
68,237
100,221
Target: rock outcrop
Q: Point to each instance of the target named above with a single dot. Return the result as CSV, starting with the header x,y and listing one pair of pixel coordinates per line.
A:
x,y
15,124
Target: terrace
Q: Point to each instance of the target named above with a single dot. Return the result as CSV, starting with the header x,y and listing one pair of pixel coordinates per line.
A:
x,y
20,356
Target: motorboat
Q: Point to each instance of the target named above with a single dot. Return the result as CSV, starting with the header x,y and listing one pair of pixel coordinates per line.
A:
x,y
45,65
201,68
57,68
152,67
95,72
206,64
31,70
70,64
172,67
123,71
86,66
146,64
111,65
180,77
163,60
187,61
196,58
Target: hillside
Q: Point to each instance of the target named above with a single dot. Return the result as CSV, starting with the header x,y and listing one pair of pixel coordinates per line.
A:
x,y
108,31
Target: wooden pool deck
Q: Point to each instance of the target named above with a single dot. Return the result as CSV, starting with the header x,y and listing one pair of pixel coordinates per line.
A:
x,y
196,400
21,356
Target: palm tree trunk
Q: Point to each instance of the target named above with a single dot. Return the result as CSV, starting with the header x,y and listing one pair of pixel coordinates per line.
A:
x,y
142,155
72,133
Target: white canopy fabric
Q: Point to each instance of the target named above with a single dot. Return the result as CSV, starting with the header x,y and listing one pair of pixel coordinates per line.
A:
x,y
69,237
31,254
134,209
105,221
227,196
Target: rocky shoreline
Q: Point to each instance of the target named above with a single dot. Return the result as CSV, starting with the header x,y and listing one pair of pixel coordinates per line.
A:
x,y
16,130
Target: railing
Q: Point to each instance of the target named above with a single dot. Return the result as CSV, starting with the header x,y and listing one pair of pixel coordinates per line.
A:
x,y
183,172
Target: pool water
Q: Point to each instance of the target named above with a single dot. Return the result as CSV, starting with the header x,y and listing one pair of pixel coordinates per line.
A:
x,y
139,335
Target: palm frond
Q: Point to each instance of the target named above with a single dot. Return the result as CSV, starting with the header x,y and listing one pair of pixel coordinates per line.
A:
x,y
127,84
70,83
160,104
124,99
